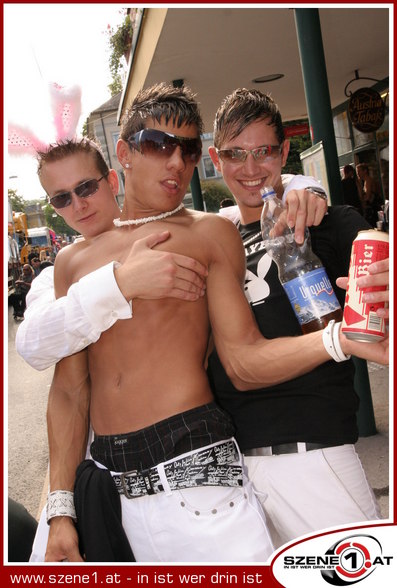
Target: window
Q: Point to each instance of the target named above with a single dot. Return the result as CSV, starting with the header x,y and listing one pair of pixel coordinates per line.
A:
x,y
342,133
362,138
115,138
120,175
209,169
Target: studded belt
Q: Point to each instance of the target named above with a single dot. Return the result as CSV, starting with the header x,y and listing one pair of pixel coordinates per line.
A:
x,y
211,466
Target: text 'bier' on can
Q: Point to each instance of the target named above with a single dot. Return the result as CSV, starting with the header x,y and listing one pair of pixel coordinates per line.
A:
x,y
360,321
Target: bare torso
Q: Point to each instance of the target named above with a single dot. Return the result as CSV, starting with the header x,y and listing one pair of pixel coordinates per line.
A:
x,y
147,368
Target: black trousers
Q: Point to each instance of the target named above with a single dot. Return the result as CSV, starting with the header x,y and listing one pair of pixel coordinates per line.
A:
x,y
21,531
18,301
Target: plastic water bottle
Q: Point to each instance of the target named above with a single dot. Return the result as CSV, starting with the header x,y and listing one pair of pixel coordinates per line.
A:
x,y
300,271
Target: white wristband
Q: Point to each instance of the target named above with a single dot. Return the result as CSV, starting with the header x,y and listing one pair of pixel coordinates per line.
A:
x,y
60,503
337,345
331,342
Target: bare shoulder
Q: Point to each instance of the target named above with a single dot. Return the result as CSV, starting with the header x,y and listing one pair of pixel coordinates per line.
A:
x,y
223,238
67,253
63,266
215,226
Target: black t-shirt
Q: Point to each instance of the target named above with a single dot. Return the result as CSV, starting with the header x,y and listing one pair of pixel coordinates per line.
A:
x,y
350,194
320,406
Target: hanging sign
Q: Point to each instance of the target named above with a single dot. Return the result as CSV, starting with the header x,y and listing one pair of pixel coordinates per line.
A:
x,y
295,130
366,110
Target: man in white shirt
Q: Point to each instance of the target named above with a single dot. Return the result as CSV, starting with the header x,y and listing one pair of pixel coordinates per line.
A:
x,y
53,329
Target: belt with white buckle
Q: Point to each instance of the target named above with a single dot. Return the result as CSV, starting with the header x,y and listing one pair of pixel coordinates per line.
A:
x,y
205,467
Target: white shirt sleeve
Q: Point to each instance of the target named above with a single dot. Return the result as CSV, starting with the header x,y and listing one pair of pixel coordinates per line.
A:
x,y
53,329
298,182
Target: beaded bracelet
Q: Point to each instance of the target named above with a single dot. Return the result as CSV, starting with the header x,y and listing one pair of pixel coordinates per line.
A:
x,y
60,503
331,342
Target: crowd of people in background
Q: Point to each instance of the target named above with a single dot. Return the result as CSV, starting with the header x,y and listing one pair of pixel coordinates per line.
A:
x,y
38,259
22,286
363,192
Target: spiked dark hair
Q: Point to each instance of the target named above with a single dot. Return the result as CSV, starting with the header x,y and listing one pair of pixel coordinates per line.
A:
x,y
161,101
242,108
62,149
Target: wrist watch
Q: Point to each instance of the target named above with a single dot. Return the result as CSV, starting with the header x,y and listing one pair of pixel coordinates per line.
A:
x,y
317,191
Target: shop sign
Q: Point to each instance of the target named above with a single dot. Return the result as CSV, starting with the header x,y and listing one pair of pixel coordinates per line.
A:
x,y
366,110
295,130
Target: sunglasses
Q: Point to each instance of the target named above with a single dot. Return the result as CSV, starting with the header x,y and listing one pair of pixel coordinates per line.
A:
x,y
236,155
83,190
153,142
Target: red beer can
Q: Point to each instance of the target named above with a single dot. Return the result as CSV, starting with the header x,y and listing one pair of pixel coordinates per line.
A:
x,y
360,321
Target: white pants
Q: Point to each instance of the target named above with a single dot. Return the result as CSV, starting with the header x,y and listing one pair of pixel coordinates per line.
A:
x,y
202,524
311,491
208,524
41,538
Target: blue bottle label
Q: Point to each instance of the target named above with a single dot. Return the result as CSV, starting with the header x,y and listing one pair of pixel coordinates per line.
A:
x,y
311,295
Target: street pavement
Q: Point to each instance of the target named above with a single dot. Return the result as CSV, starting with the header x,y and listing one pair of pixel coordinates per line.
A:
x,y
27,433
374,450
27,438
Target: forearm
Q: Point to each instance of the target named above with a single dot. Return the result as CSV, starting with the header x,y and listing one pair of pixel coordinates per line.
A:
x,y
68,424
67,439
264,363
67,421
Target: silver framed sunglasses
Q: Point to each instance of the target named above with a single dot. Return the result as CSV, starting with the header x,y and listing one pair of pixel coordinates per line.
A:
x,y
83,190
237,155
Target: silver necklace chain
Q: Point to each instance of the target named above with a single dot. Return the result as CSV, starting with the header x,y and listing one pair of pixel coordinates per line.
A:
x,y
146,219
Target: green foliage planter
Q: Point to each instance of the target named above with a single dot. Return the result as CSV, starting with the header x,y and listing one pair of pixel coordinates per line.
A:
x,y
120,41
213,193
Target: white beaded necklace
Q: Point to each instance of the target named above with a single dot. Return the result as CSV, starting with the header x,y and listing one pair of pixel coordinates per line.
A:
x,y
146,219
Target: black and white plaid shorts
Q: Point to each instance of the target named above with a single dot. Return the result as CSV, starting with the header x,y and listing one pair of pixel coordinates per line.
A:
x,y
164,440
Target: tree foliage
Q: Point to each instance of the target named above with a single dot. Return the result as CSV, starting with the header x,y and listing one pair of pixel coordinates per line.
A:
x,y
84,130
213,193
52,219
120,40
56,222
17,202
298,144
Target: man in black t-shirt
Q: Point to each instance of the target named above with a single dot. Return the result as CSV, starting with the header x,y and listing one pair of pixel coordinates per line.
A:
x,y
297,437
351,188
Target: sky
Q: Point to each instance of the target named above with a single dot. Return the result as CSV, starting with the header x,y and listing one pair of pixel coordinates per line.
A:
x,y
44,43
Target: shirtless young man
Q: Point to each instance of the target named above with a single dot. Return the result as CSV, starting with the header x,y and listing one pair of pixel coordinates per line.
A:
x,y
150,398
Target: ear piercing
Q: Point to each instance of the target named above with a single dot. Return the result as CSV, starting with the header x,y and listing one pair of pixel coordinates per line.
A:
x,y
127,165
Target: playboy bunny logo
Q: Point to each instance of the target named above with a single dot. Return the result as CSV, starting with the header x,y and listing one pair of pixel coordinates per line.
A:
x,y
256,288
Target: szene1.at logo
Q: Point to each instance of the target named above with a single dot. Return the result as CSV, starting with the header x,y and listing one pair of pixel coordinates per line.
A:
x,y
346,562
